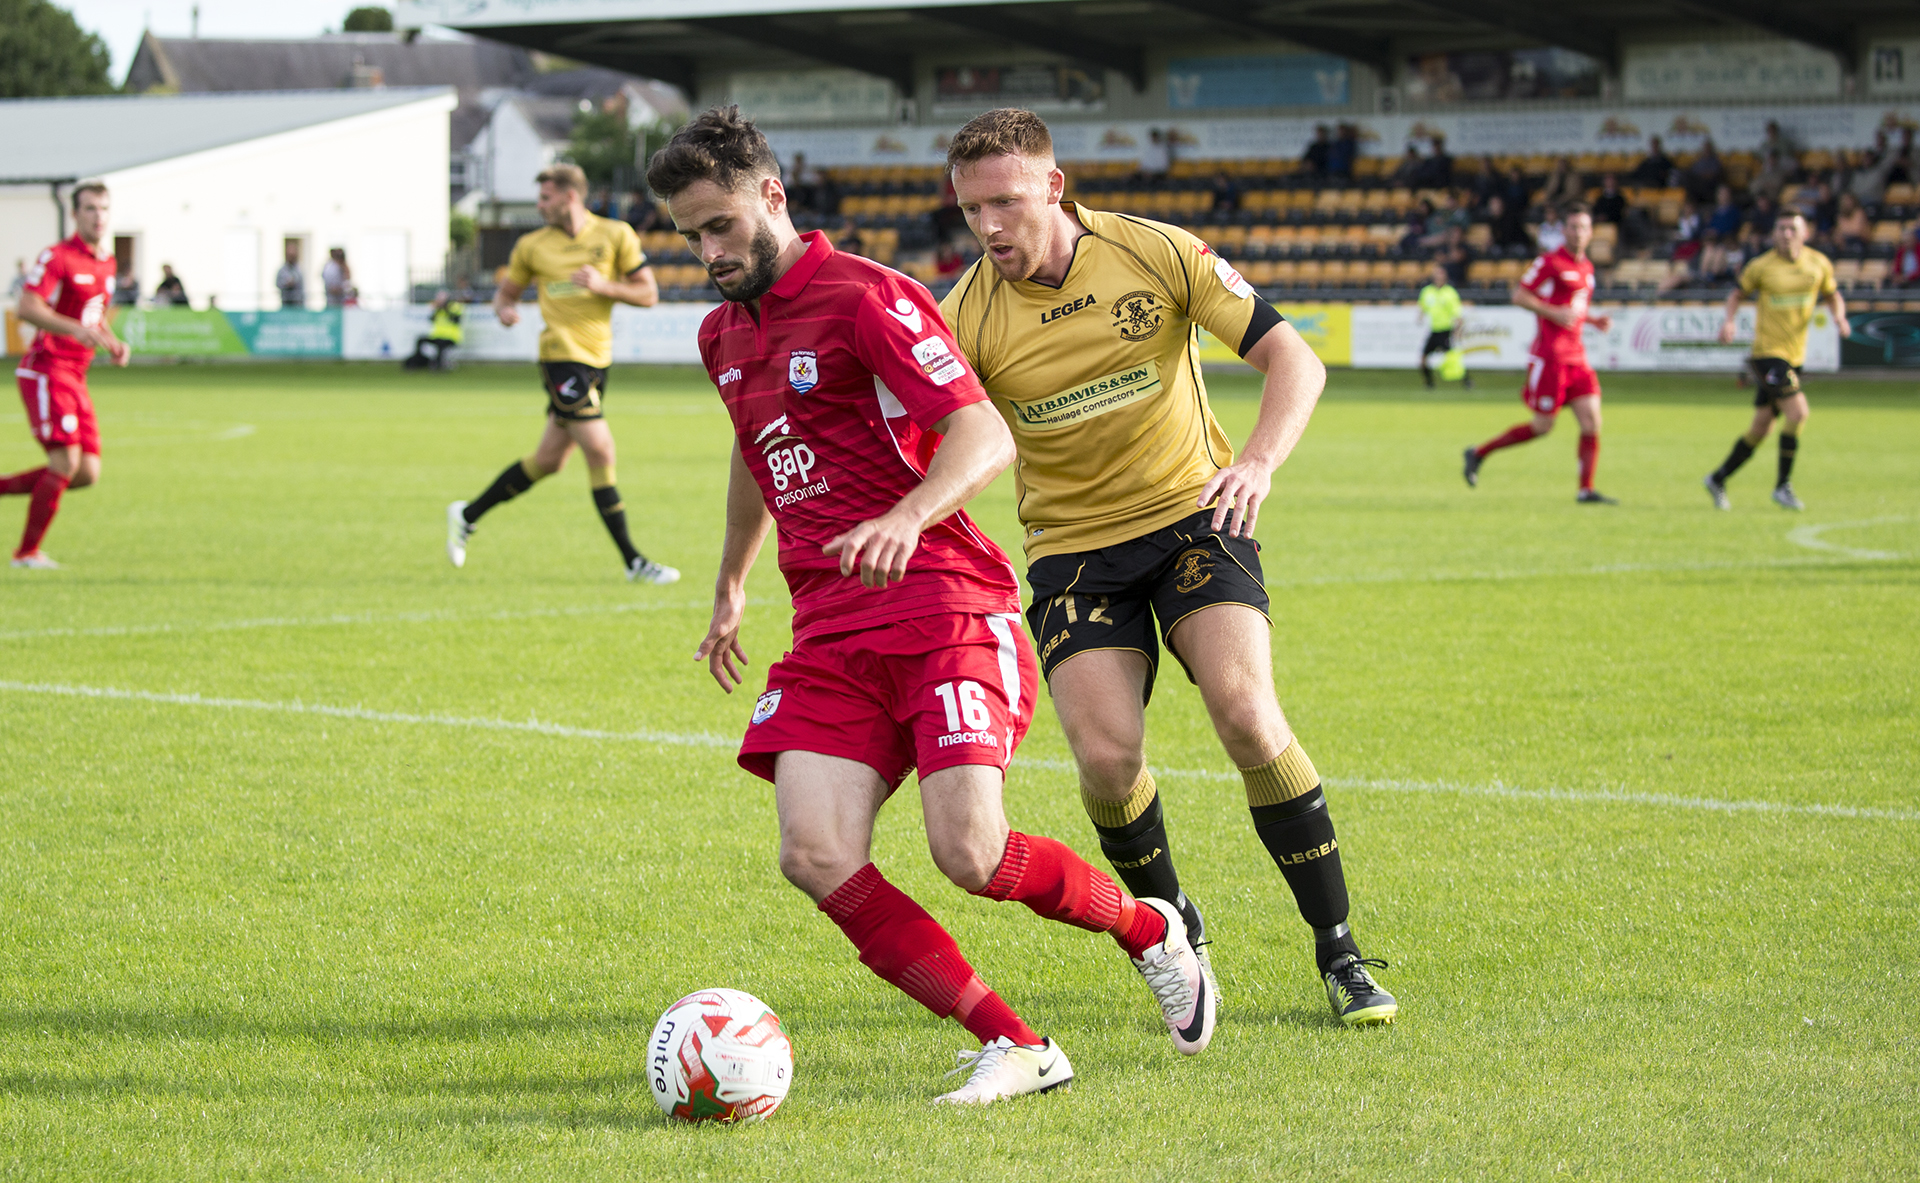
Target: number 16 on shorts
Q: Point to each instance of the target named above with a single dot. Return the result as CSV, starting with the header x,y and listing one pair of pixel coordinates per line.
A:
x,y
969,720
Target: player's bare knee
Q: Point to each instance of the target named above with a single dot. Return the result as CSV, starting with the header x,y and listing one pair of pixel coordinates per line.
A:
x,y
813,867
1109,770
1251,733
967,860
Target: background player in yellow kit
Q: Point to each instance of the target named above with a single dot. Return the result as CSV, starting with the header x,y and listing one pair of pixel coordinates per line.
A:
x,y
1786,283
583,265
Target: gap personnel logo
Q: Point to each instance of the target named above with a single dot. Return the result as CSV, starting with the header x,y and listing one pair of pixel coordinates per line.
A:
x,y
803,370
1192,571
763,709
1138,315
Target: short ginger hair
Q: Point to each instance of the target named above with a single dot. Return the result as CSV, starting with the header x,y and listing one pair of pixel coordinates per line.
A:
x,y
1005,131
720,145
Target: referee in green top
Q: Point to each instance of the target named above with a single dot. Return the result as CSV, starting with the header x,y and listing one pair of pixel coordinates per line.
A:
x,y
1440,304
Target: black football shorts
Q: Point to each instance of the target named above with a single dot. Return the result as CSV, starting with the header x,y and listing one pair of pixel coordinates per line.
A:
x,y
1773,380
1110,598
574,391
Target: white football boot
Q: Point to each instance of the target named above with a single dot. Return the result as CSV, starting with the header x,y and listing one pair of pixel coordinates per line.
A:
x,y
645,570
459,529
1004,1068
35,560
1180,984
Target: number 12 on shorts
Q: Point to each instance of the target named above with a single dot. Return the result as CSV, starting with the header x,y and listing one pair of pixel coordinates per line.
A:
x,y
965,702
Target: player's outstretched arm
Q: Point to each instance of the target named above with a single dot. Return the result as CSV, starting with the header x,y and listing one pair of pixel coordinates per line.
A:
x,y
1294,380
37,312
1839,305
747,525
976,448
639,288
506,302
1560,314
1733,309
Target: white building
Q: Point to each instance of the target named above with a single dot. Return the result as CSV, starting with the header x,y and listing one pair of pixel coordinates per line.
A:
x,y
218,185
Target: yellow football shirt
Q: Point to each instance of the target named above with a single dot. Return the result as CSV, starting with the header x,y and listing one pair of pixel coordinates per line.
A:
x,y
1100,378
1786,291
579,324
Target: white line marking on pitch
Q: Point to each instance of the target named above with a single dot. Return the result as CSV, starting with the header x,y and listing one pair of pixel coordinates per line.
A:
x,y
1809,536
429,616
706,739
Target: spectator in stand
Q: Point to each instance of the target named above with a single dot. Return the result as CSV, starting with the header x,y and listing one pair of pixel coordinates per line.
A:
x,y
1454,256
642,214
1905,272
1776,169
1346,147
1656,169
1226,194
1611,205
1705,267
126,288
290,280
1488,181
1725,219
1762,215
1852,228
1776,140
1508,224
1406,174
1157,158
1451,216
803,191
1517,191
948,262
849,240
1870,178
19,283
1417,219
1702,177
1906,165
948,220
1563,185
1436,171
1316,155
1551,234
1687,227
337,278
170,290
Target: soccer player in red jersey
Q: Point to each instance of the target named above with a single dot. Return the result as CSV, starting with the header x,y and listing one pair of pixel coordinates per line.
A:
x,y
1557,288
69,288
860,434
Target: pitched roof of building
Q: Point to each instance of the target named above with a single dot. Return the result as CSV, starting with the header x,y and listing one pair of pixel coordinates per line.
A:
x,y
68,138
193,65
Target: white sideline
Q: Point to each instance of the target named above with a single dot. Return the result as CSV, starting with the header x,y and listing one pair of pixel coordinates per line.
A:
x,y
1809,537
704,739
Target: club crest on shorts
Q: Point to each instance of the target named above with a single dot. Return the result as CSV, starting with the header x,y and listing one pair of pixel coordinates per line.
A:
x,y
803,370
1192,571
763,709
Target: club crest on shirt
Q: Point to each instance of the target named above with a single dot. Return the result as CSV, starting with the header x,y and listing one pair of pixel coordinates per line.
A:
x,y
803,370
763,709
1137,315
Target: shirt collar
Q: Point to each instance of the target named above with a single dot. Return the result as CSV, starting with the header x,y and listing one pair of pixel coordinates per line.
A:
x,y
819,246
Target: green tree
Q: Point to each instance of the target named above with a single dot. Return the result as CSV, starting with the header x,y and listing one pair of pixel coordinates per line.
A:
x,y
461,231
43,52
368,20
604,147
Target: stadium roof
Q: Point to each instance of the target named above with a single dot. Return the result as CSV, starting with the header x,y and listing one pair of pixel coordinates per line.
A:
x,y
671,39
44,140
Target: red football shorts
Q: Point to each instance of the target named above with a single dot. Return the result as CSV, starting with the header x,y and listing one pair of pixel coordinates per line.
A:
x,y
59,413
1552,384
931,692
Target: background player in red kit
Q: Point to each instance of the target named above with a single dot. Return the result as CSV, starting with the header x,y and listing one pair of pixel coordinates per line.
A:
x,y
1557,289
860,433
69,288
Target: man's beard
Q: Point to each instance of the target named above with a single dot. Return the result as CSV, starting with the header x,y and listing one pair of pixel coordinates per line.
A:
x,y
757,275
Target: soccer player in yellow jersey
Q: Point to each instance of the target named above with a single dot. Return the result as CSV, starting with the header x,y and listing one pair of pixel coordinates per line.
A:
x,y
582,265
1082,326
1786,284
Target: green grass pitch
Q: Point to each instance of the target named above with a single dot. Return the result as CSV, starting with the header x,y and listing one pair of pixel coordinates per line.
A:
x,y
1628,797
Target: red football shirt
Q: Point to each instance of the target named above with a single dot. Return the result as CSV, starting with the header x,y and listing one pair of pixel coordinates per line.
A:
x,y
1563,280
74,282
833,393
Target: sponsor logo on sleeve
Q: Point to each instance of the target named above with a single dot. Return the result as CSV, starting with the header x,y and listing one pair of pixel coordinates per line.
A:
x,y
732,375
1231,279
907,313
803,370
938,361
763,709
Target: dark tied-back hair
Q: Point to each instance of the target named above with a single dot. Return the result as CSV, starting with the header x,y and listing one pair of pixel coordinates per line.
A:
x,y
721,146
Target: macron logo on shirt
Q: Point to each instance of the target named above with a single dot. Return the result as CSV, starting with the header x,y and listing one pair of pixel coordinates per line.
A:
x,y
907,313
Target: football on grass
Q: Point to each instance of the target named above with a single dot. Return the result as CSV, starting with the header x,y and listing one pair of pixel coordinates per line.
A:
x,y
719,1055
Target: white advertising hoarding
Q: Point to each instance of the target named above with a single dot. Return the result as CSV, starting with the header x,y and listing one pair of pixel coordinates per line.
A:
x,y
1711,70
1671,338
665,333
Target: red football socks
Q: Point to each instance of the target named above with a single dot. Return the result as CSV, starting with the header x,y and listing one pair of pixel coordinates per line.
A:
x,y
40,511
1055,882
1589,457
1519,433
20,482
900,942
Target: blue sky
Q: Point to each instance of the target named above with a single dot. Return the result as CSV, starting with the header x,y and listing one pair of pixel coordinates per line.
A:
x,y
120,22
